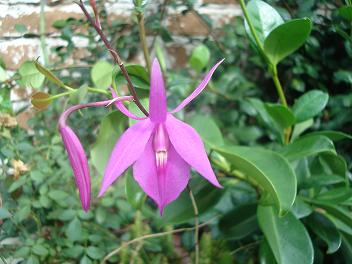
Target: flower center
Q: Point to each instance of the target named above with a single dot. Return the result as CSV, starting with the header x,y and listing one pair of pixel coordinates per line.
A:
x,y
161,145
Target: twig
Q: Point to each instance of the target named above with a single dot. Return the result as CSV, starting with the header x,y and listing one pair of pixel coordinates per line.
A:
x,y
116,251
196,224
115,56
140,18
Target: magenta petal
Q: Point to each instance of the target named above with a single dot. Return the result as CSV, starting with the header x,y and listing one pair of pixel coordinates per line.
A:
x,y
162,187
127,150
157,97
119,105
79,164
190,147
198,90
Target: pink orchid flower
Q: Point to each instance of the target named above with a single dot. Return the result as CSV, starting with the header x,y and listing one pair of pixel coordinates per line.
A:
x,y
75,150
161,148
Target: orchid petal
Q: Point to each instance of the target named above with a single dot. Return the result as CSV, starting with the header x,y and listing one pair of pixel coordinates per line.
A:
x,y
162,186
157,97
198,90
190,147
123,109
79,164
127,150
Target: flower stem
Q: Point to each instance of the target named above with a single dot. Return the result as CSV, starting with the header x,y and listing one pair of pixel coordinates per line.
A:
x,y
196,224
142,36
115,56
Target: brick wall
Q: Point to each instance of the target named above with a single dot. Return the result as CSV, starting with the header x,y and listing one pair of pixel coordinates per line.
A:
x,y
14,49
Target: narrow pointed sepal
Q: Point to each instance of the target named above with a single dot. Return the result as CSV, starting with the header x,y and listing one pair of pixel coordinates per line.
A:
x,y
157,97
190,147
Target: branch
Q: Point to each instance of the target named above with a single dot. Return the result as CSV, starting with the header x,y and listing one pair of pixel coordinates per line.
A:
x,y
115,56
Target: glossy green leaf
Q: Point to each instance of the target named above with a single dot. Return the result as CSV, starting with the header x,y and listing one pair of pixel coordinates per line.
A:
x,y
138,74
268,170
101,74
308,146
317,181
287,236
30,76
300,128
240,222
346,12
264,19
199,58
95,252
111,128
332,135
48,74
134,193
326,231
181,210
282,115
335,196
207,129
286,38
300,208
309,105
346,247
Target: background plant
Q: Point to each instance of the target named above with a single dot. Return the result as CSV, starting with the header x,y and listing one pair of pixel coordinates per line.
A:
x,y
284,168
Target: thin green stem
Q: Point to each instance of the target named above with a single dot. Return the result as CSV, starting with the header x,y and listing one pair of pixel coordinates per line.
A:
x,y
196,224
252,29
278,86
143,39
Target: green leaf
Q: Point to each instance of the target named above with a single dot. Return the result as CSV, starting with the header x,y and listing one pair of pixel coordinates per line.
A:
x,y
40,250
207,129
30,76
301,209
335,196
287,236
48,74
135,195
309,105
332,135
20,28
346,12
181,210
308,146
138,74
4,213
32,260
58,195
101,74
17,184
110,130
317,181
286,38
74,230
266,169
326,231
282,115
199,58
264,19
132,107
239,222
300,128
95,252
